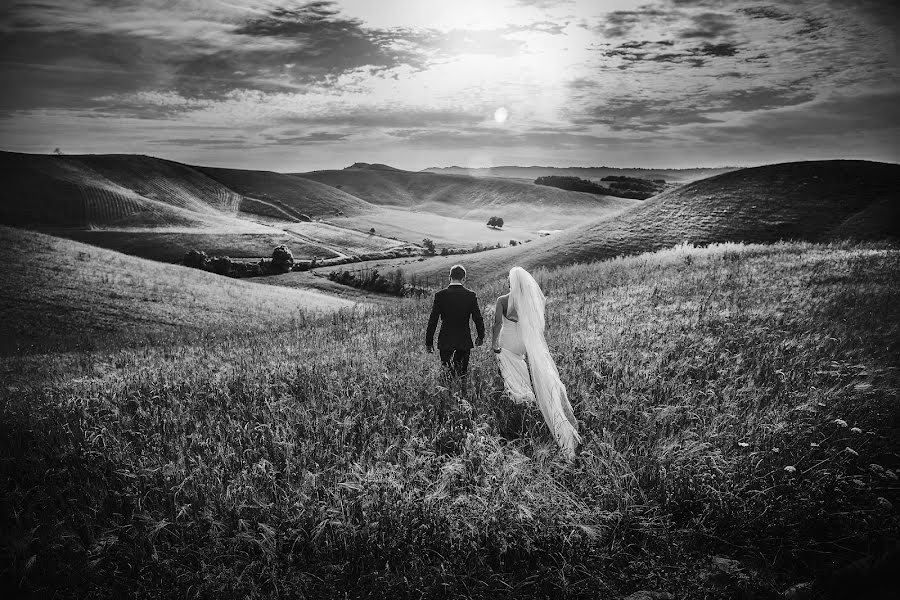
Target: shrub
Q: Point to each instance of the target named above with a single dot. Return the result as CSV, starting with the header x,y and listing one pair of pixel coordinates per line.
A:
x,y
282,259
195,258
513,243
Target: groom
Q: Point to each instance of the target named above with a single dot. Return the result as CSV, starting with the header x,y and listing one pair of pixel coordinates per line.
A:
x,y
454,306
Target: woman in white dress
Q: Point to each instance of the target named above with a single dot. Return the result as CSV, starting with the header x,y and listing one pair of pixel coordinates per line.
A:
x,y
518,335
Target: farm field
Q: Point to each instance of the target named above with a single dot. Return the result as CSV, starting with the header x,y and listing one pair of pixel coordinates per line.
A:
x,y
737,403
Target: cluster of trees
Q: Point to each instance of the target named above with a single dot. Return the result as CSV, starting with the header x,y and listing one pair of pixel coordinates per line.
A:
x,y
495,222
392,283
430,249
618,185
282,261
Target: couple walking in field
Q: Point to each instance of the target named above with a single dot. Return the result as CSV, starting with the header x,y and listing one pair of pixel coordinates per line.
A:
x,y
529,372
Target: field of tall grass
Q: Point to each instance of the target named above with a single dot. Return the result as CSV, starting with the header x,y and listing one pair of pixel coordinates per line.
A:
x,y
737,404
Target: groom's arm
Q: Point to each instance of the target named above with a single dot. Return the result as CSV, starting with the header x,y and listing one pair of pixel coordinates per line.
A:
x,y
432,325
479,321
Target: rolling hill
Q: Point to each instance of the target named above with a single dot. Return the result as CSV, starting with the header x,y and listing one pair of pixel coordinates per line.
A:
x,y
124,190
468,197
59,294
815,201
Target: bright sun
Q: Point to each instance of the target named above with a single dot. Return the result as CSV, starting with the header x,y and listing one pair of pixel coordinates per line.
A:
x,y
501,114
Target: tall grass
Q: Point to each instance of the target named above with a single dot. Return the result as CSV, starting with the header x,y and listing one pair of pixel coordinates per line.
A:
x,y
328,459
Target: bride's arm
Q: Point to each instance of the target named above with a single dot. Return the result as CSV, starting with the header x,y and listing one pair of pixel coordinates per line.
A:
x,y
498,323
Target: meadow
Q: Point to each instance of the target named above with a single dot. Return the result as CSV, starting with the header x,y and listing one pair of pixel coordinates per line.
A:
x,y
737,403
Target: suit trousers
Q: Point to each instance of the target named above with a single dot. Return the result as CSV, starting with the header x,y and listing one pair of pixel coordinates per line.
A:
x,y
455,360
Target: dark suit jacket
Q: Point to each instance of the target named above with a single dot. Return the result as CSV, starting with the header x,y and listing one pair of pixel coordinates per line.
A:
x,y
454,306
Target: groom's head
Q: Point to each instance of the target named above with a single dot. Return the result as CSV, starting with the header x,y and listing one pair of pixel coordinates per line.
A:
x,y
457,273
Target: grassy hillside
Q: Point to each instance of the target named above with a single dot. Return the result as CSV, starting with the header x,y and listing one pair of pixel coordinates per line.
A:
x,y
461,196
59,294
813,201
293,195
738,409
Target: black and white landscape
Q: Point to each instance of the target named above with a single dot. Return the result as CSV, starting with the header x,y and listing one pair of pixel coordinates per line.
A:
x,y
222,225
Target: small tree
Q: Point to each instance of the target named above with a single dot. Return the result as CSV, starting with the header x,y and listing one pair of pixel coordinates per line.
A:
x,y
429,245
513,243
495,222
372,231
282,259
444,252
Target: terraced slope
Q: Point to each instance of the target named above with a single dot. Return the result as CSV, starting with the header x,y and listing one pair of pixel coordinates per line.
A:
x,y
814,201
470,197
53,191
59,294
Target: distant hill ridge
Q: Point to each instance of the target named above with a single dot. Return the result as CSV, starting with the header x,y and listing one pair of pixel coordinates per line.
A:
x,y
372,167
594,173
817,201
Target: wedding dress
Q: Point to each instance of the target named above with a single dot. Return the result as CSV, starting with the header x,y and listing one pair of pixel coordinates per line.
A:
x,y
523,339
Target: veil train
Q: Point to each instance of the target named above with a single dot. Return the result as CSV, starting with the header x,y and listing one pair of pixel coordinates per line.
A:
x,y
527,301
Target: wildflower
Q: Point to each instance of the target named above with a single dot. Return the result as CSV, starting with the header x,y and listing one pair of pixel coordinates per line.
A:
x,y
743,444
776,450
855,430
850,450
790,469
840,422
884,503
813,445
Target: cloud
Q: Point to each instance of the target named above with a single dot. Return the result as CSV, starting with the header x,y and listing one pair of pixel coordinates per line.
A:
x,y
620,23
709,26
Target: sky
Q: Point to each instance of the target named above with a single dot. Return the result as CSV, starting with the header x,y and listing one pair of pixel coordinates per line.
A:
x,y
296,86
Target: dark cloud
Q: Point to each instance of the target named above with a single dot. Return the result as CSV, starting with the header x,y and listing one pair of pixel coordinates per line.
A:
x,y
634,113
620,23
709,26
766,12
666,52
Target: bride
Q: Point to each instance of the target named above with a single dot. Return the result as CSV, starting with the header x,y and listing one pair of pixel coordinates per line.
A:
x,y
519,333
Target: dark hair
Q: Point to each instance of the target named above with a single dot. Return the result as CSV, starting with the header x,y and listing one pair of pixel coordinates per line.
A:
x,y
457,272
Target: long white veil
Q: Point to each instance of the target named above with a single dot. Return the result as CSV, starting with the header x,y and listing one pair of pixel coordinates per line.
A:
x,y
527,301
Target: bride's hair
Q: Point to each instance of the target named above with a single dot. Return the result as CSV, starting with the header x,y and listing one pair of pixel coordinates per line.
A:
x,y
526,298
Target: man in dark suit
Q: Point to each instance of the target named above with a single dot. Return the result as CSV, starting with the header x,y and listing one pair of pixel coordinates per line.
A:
x,y
454,306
